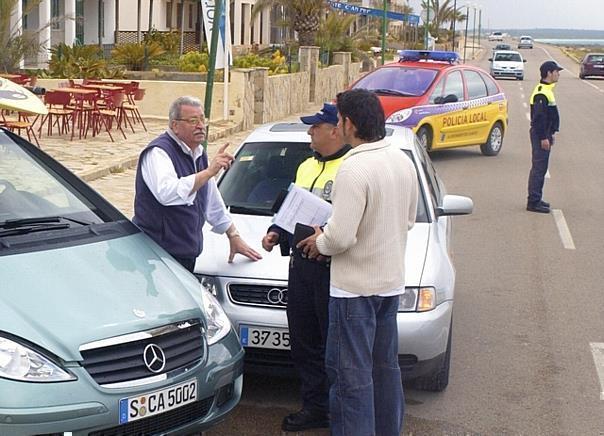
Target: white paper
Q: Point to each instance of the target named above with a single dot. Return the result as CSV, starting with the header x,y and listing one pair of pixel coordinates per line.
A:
x,y
301,206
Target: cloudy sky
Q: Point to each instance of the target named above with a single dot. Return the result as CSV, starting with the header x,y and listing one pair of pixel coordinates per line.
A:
x,y
529,14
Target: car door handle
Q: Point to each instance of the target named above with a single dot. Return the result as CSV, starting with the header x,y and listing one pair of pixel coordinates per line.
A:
x,y
465,108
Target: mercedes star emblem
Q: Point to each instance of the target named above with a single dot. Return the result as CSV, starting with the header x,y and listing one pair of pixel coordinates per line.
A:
x,y
154,358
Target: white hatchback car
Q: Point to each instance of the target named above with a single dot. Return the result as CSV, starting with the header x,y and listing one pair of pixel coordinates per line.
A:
x,y
254,294
507,63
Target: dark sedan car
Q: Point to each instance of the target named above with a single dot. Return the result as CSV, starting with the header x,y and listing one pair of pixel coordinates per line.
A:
x,y
592,65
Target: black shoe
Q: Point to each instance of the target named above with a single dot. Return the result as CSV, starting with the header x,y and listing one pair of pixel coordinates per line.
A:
x,y
544,203
538,207
305,420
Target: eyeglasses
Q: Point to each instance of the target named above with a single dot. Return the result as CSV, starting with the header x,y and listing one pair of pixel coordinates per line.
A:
x,y
193,121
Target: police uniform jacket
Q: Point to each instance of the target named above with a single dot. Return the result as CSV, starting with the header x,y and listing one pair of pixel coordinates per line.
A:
x,y
545,119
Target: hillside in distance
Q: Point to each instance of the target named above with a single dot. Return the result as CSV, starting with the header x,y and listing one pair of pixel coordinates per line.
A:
x,y
555,33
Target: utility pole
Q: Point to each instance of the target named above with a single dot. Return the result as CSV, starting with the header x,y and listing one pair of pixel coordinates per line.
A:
x,y
465,38
479,25
454,22
384,28
473,31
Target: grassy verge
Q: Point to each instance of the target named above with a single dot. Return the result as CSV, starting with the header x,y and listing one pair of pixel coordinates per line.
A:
x,y
577,53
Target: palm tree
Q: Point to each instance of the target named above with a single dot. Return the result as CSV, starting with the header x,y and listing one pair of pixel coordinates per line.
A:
x,y
16,45
304,16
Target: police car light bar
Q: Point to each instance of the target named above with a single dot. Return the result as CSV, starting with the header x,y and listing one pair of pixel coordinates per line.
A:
x,y
428,55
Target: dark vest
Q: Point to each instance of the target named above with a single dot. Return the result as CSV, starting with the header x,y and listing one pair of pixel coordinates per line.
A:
x,y
175,228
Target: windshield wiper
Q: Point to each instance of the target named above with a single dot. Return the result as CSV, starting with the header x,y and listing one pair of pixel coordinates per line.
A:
x,y
21,230
250,210
393,92
20,222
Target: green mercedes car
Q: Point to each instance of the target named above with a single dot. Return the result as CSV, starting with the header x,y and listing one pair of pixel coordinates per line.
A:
x,y
101,331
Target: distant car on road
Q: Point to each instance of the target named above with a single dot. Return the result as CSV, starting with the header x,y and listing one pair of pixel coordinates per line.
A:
x,y
507,64
445,103
500,47
496,36
592,65
254,294
525,42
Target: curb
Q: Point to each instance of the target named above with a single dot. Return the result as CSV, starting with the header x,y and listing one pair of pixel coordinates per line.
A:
x,y
131,161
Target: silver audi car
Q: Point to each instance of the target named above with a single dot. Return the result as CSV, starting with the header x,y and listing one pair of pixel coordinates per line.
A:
x,y
254,294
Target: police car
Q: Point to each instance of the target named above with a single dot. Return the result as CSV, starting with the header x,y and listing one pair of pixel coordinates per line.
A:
x,y
254,294
447,104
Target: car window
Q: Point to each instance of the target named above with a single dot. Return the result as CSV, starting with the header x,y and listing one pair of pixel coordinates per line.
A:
x,y
507,57
475,84
492,87
595,58
454,85
30,189
413,81
435,192
437,91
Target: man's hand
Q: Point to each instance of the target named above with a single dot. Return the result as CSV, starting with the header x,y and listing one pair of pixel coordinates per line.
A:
x,y
222,160
270,240
308,246
239,246
545,145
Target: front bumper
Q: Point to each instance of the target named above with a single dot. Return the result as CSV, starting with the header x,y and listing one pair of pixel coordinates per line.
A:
x,y
507,73
422,337
82,407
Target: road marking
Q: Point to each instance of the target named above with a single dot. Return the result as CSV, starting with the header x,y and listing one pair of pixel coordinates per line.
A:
x,y
524,103
547,174
593,86
563,230
597,351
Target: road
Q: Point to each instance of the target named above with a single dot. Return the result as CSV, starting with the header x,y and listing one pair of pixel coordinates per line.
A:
x,y
529,309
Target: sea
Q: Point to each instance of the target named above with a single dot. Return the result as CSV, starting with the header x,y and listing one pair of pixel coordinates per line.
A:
x,y
582,42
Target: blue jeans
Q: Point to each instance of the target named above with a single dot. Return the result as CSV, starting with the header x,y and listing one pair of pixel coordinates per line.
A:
x,y
366,393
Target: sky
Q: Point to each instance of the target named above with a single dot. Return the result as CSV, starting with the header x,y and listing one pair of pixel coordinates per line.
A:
x,y
540,14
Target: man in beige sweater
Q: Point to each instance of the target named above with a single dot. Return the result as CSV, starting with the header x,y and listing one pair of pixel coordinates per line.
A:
x,y
374,205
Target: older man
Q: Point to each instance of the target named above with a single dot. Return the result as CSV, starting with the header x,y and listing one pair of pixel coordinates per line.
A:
x,y
175,188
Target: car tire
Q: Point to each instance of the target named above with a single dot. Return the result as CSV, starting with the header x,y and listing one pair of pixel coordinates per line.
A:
x,y
520,78
581,76
438,381
494,141
424,134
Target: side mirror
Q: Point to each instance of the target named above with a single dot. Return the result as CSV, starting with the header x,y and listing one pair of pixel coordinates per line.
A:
x,y
524,60
490,59
451,98
455,205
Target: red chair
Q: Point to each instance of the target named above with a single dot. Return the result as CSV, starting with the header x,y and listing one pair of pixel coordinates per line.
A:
x,y
112,112
134,95
23,122
59,112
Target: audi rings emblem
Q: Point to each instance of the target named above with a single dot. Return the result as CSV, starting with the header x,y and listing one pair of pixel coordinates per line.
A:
x,y
154,357
277,296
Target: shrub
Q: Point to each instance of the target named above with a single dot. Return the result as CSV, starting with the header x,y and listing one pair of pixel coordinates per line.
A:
x,y
169,41
276,63
136,56
80,61
194,61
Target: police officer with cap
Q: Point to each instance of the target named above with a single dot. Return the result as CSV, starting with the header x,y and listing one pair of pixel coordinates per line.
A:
x,y
308,283
545,122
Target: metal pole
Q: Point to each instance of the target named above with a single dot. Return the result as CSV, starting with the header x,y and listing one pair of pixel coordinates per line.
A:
x,y
426,26
474,32
212,62
479,25
465,38
384,32
454,22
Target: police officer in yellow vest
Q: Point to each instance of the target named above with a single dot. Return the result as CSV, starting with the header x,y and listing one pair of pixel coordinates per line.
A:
x,y
308,284
545,122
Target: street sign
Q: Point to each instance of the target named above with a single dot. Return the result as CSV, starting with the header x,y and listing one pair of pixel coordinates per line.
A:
x,y
359,10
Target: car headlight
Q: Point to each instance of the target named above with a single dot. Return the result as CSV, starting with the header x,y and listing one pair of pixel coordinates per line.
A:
x,y
21,363
417,300
399,116
218,322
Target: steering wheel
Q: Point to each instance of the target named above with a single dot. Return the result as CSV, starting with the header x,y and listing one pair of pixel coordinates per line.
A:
x,y
7,186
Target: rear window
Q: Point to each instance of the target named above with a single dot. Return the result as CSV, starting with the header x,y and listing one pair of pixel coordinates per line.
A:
x,y
595,58
508,57
412,81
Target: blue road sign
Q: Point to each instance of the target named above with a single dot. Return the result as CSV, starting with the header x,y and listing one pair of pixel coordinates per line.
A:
x,y
359,10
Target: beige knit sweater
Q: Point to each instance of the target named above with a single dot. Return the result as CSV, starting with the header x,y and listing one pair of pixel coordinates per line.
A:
x,y
374,204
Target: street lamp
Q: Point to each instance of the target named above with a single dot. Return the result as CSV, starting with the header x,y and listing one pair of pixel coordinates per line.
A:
x,y
454,21
465,37
473,31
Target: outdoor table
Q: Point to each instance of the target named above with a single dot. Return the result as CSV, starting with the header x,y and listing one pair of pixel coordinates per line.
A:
x,y
10,76
81,91
104,87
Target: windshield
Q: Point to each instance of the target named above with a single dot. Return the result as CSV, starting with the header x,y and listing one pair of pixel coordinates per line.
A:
x,y
508,57
30,190
409,81
264,170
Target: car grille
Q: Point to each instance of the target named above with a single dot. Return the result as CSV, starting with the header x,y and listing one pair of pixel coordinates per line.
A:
x,y
161,423
258,295
121,359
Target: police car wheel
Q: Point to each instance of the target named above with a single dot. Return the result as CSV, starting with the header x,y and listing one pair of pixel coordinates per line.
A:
x,y
494,141
424,134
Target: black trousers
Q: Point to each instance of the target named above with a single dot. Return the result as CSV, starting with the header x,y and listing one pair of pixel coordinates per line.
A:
x,y
539,164
307,318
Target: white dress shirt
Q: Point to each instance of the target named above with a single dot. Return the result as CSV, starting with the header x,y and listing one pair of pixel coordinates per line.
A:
x,y
170,190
